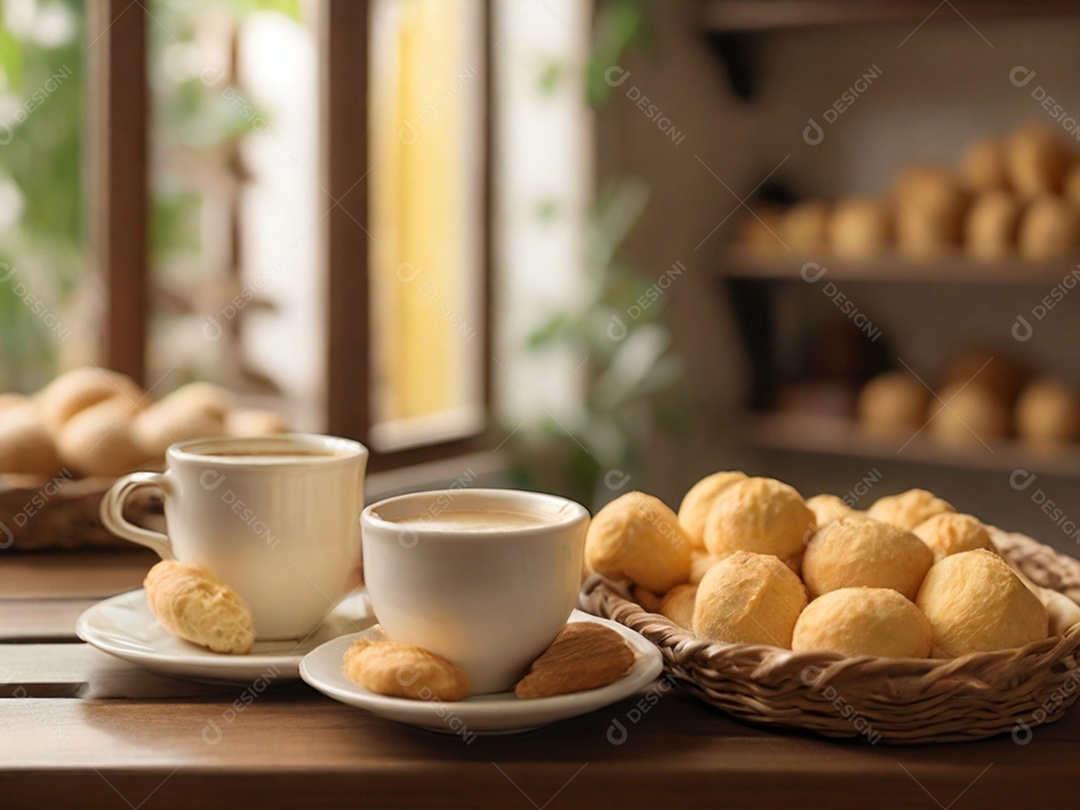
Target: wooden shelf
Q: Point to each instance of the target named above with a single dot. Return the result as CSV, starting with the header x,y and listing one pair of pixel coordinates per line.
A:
x,y
772,15
744,263
839,437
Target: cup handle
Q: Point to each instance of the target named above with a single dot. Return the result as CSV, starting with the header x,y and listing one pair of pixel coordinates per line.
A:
x,y
112,512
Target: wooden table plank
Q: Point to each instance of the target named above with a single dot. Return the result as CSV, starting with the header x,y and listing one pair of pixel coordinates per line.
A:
x,y
76,574
283,746
40,620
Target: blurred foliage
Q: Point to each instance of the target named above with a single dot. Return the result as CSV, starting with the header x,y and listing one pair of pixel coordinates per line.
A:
x,y
617,26
43,200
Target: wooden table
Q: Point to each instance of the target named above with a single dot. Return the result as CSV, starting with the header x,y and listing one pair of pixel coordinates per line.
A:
x,y
79,728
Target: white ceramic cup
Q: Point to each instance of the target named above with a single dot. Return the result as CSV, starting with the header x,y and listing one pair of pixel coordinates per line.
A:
x,y
274,517
490,601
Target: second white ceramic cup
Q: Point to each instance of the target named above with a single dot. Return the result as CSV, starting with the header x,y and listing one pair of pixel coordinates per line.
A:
x,y
490,601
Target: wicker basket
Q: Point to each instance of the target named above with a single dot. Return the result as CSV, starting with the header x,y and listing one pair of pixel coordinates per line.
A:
x,y
39,513
893,700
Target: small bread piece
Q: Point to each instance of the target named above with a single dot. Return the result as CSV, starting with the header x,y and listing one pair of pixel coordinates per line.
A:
x,y
698,500
930,207
860,227
100,440
867,553
975,603
953,533
83,388
254,423
992,225
891,403
805,227
909,508
974,414
983,167
25,443
678,605
827,508
404,670
863,621
762,515
1049,228
192,603
700,563
585,655
1048,412
1037,160
638,537
749,598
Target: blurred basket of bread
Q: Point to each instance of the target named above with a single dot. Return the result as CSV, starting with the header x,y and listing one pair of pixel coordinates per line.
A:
x,y
62,447
905,623
1013,197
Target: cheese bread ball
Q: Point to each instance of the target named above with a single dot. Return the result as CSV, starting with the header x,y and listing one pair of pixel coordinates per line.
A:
x,y
991,226
805,227
867,553
749,599
975,415
83,388
908,509
699,499
827,508
1037,160
953,533
701,562
975,603
983,167
1049,228
26,446
100,440
891,403
762,515
638,537
930,207
863,621
678,605
193,411
860,227
1048,411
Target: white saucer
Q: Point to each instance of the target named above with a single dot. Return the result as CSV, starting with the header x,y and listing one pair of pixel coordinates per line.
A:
x,y
483,714
124,626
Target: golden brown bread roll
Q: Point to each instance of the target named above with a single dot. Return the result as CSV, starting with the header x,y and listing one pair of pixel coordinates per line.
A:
x,y
805,227
1048,411
699,499
975,603
867,553
83,388
860,227
930,207
192,603
749,598
700,563
891,403
953,533
26,445
254,423
193,411
909,508
983,167
1049,229
1037,160
863,621
991,226
761,515
975,415
638,537
827,508
999,372
404,670
678,605
100,440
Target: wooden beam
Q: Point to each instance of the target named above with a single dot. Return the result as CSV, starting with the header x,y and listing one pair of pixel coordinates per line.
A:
x,y
118,173
344,35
